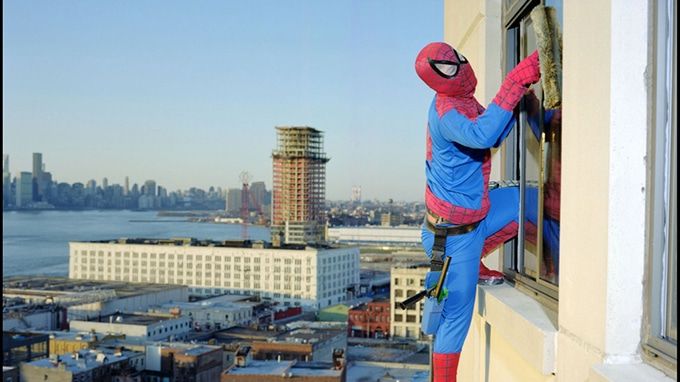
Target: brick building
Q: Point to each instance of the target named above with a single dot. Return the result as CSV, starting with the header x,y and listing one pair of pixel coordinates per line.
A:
x,y
191,364
370,320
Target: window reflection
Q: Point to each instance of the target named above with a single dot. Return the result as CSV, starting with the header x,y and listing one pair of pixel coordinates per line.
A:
x,y
533,156
546,128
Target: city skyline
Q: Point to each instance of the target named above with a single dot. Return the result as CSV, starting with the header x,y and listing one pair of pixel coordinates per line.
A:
x,y
132,95
103,182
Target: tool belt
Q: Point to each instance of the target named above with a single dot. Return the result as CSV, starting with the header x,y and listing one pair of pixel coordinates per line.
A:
x,y
440,235
438,263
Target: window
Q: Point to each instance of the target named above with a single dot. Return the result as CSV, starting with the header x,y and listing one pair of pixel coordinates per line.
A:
x,y
661,338
532,156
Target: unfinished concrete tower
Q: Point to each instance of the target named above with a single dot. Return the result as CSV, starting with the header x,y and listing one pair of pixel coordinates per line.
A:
x,y
299,186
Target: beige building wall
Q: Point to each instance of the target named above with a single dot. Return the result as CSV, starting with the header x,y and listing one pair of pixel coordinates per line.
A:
x,y
595,334
405,281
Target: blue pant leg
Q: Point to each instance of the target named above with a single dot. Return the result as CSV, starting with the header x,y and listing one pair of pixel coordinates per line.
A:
x,y
504,209
461,286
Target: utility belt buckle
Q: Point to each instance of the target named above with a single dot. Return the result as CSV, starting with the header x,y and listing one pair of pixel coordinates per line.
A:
x,y
437,219
437,261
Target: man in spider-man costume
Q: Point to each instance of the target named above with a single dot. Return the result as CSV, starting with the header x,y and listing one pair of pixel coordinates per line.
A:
x,y
460,134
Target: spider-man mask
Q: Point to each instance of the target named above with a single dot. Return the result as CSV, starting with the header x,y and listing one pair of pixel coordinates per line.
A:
x,y
445,70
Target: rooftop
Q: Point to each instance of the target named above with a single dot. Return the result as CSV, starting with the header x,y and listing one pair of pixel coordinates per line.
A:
x,y
62,286
374,371
134,318
308,335
279,368
239,333
299,128
193,242
68,336
85,360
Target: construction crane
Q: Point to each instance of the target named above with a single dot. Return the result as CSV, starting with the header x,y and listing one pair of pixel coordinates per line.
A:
x,y
245,181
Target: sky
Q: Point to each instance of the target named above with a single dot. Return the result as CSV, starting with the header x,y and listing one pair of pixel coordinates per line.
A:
x,y
189,93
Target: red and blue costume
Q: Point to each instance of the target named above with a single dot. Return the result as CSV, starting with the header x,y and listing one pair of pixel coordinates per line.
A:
x,y
460,134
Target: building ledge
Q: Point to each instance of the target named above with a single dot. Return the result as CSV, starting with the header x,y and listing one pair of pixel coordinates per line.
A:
x,y
625,373
527,325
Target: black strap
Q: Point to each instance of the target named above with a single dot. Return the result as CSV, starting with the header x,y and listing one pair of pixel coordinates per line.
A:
x,y
438,251
439,246
451,231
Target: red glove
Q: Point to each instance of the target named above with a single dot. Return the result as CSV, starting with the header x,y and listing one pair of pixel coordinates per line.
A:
x,y
528,71
513,88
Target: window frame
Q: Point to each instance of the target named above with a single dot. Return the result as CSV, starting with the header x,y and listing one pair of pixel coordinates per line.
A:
x,y
515,13
662,139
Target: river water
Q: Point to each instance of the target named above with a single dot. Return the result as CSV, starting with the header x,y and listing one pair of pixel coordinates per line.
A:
x,y
37,242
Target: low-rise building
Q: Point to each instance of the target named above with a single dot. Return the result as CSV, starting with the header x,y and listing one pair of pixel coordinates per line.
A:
x,y
371,320
406,281
94,365
334,313
68,342
190,363
20,347
282,371
27,315
153,327
373,282
302,344
84,299
211,314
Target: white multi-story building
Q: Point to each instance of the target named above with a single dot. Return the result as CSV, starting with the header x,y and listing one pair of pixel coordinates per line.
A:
x,y
311,277
406,281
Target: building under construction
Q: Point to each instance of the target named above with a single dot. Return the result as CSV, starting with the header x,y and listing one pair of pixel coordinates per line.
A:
x,y
299,186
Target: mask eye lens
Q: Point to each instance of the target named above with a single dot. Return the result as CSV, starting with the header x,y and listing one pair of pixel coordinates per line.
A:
x,y
461,58
449,70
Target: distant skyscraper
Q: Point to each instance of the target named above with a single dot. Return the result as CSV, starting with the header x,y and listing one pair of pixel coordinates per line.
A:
x,y
37,176
258,192
105,183
6,181
24,190
126,190
150,187
299,186
356,194
234,200
37,164
91,186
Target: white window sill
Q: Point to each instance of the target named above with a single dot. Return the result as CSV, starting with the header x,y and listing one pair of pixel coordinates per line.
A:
x,y
525,324
626,373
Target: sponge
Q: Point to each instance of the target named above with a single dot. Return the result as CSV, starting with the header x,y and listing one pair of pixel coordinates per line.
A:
x,y
549,41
